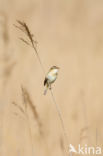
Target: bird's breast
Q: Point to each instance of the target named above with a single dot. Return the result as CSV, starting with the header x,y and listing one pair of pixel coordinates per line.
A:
x,y
51,77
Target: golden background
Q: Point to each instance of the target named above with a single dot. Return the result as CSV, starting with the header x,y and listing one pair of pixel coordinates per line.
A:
x,y
69,35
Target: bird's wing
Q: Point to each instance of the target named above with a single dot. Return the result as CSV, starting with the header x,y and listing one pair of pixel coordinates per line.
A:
x,y
45,81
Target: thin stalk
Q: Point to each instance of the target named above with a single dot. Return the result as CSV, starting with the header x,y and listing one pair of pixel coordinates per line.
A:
x,y
61,119
39,58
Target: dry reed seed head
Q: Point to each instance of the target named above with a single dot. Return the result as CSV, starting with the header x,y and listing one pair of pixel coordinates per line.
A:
x,y
25,29
28,101
18,106
32,43
24,97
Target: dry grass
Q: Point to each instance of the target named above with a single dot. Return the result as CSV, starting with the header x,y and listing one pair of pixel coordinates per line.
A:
x,y
31,42
27,102
70,35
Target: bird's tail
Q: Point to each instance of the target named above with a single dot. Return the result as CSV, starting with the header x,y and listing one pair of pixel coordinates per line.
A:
x,y
45,91
47,87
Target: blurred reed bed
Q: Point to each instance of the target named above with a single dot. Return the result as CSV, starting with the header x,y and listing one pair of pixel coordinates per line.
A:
x,y
6,56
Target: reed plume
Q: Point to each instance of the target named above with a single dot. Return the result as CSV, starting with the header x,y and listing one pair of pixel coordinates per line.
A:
x,y
28,102
22,26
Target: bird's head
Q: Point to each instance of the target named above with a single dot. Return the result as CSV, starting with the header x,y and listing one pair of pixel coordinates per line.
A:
x,y
55,69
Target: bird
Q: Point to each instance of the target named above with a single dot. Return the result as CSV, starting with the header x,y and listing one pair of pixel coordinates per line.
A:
x,y
50,77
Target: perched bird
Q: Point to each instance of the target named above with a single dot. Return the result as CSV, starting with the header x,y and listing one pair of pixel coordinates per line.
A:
x,y
50,77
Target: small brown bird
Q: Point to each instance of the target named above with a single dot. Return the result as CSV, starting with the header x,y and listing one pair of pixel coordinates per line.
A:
x,y
50,77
